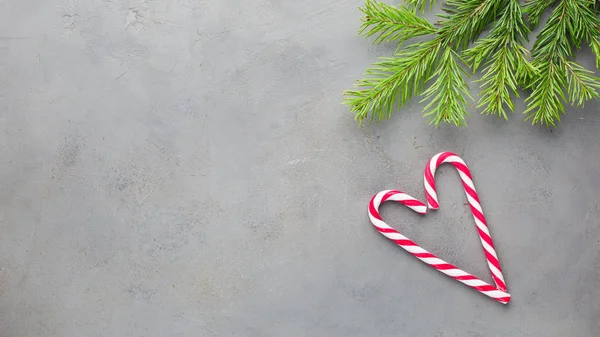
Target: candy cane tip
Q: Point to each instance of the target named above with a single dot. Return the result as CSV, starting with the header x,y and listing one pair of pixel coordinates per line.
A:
x,y
432,203
505,300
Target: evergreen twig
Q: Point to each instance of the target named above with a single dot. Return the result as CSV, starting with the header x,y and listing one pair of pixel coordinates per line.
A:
x,y
507,62
421,4
447,93
390,23
406,74
570,23
535,8
393,79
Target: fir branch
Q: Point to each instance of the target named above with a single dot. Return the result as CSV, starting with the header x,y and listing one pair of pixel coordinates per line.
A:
x,y
465,20
403,76
582,84
508,31
507,64
395,79
550,52
548,91
557,73
448,91
588,27
392,23
433,68
420,4
535,8
585,24
594,39
595,45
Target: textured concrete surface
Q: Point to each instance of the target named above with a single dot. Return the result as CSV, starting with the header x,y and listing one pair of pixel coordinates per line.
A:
x,y
185,168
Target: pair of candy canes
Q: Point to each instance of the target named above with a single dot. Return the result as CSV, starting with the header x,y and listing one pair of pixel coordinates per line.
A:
x,y
497,292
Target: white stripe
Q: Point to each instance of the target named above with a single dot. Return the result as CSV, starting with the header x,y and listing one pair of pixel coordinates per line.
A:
x,y
474,283
465,178
414,249
401,197
495,293
378,223
395,197
419,209
495,271
432,163
474,202
378,197
432,260
455,272
488,248
405,197
454,159
431,193
393,236
481,225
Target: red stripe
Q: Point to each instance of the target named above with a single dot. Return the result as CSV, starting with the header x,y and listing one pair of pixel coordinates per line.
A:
x,y
500,284
424,255
386,230
443,157
405,242
431,179
471,192
388,195
412,203
492,259
503,299
479,216
431,201
373,211
465,277
429,176
443,266
431,182
463,168
486,287
485,237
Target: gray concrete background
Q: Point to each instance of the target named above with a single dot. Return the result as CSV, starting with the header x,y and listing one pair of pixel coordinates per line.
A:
x,y
185,168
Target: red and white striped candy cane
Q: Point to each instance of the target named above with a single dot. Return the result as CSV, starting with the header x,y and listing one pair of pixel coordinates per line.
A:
x,y
496,292
482,228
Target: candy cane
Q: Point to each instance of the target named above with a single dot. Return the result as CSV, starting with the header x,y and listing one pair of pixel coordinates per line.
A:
x,y
496,292
482,228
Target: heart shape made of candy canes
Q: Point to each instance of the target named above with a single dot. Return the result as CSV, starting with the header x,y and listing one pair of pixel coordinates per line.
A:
x,y
497,292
